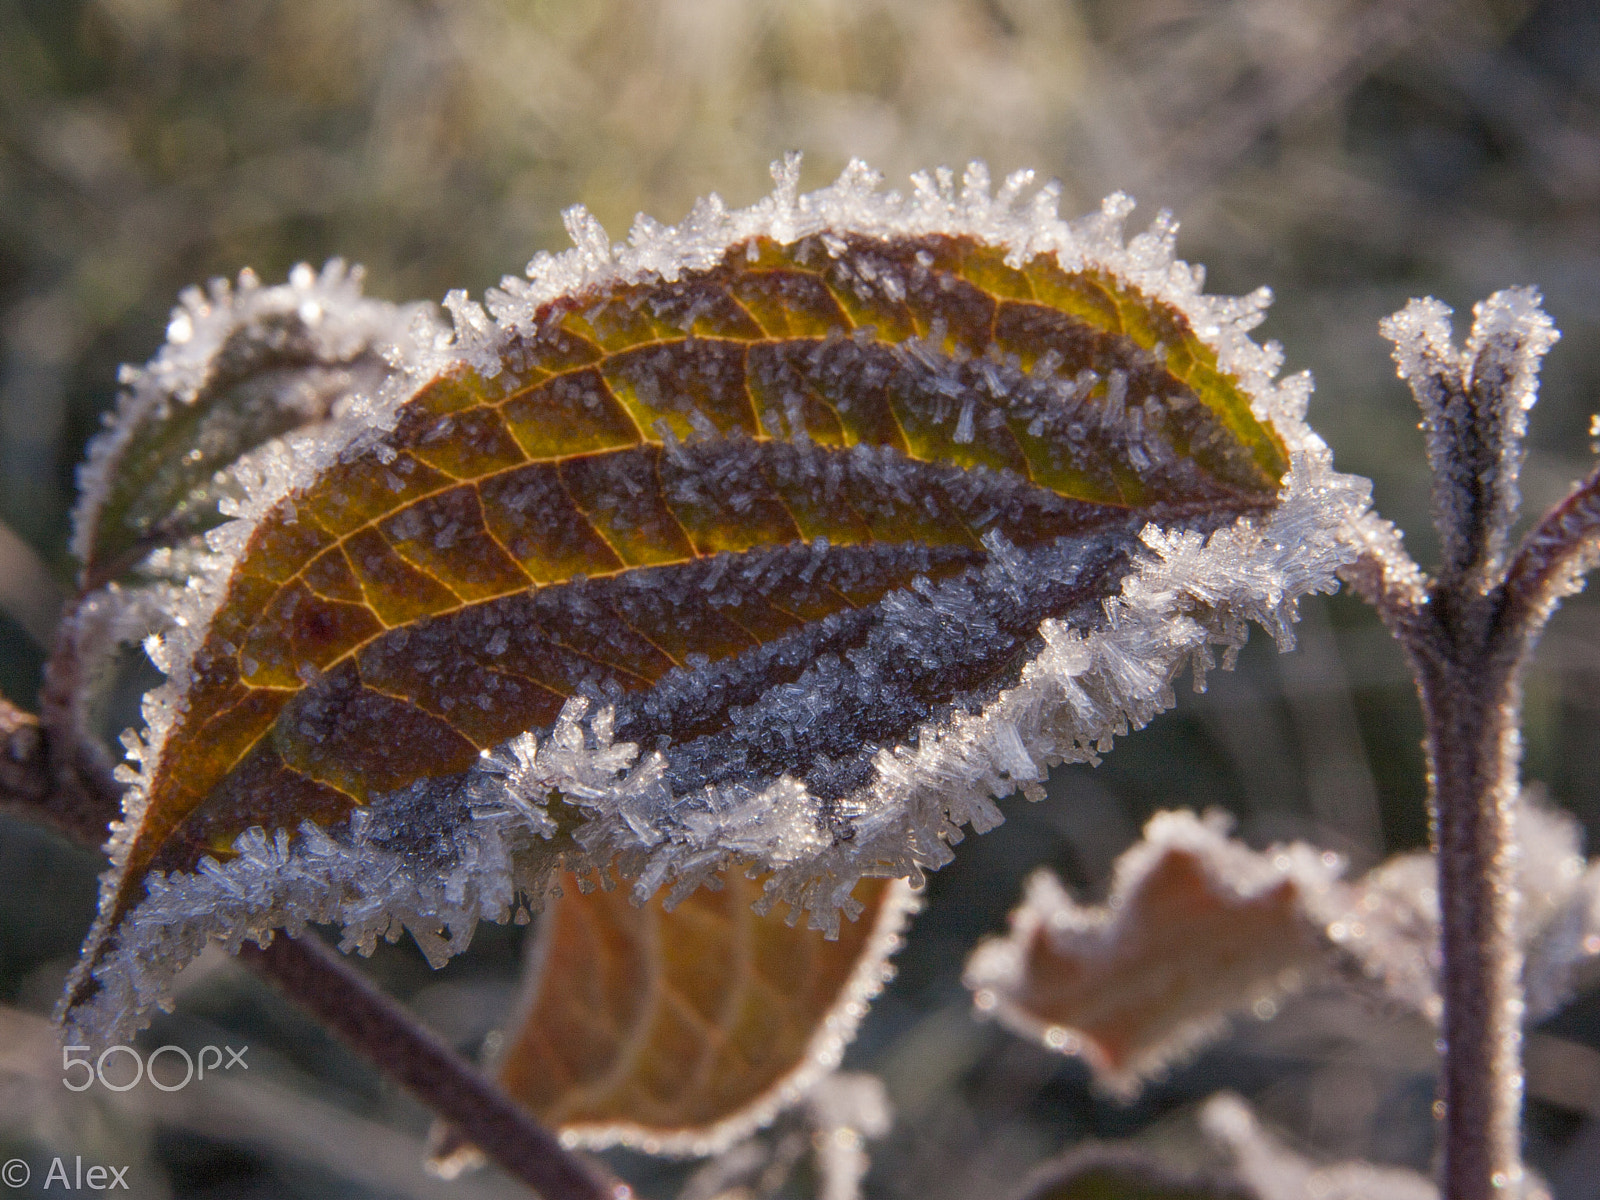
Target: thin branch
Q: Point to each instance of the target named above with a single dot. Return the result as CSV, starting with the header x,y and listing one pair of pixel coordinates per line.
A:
x,y
32,786
1471,701
1388,579
368,1019
1553,558
80,805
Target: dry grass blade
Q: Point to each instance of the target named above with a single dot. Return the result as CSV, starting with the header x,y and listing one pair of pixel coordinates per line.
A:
x,y
29,594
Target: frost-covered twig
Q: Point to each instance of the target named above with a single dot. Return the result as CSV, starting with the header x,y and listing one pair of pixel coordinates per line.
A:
x,y
1385,575
1553,558
1468,642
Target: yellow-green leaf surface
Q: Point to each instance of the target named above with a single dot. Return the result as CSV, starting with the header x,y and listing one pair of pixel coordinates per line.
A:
x,y
740,549
682,1031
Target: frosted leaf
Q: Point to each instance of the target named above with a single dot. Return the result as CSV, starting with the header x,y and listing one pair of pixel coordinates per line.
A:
x,y
243,367
1197,928
1474,402
682,1031
657,571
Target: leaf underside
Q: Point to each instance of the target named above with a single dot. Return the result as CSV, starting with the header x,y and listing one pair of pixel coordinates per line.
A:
x,y
691,501
680,1031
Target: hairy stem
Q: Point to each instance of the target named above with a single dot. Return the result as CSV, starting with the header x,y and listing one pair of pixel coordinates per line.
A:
x,y
1470,693
79,799
1468,648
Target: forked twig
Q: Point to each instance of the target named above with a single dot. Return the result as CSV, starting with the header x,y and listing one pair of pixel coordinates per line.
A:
x,y
1468,635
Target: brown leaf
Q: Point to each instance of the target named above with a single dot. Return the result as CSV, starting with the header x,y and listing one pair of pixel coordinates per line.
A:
x,y
682,1031
1196,927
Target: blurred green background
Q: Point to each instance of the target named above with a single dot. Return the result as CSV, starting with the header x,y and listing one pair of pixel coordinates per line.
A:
x,y
1348,153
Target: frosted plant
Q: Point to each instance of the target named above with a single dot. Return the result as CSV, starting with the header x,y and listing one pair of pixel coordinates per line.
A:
x,y
763,554
677,531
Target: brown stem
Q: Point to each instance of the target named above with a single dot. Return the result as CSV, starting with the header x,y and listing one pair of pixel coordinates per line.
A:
x,y
79,800
1468,649
1470,693
78,804
372,1022
1553,557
